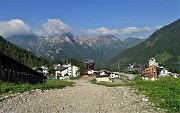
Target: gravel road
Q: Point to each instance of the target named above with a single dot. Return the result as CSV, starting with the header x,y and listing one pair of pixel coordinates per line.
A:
x,y
82,98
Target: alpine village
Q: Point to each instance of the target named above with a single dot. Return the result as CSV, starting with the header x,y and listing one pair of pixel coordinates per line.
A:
x,y
68,73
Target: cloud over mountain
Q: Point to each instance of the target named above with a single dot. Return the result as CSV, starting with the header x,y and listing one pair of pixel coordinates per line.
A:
x,y
123,31
14,27
18,27
130,30
147,28
102,31
55,26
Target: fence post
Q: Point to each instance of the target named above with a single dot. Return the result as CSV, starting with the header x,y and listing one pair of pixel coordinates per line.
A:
x,y
0,65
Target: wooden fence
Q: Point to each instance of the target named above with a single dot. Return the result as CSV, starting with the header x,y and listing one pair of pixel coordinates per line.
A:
x,y
12,70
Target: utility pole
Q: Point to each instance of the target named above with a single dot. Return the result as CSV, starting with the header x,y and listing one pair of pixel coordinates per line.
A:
x,y
119,69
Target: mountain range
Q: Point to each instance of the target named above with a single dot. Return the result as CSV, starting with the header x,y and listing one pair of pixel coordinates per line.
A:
x,y
163,45
67,46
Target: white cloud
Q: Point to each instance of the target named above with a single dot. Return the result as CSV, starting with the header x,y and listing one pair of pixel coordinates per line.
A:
x,y
18,27
102,31
141,37
13,27
37,33
124,31
147,28
158,27
130,30
55,26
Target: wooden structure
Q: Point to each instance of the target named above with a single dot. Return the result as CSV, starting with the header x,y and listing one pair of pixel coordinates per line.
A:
x,y
12,70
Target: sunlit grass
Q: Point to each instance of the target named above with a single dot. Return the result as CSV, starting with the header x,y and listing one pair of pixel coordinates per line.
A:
x,y
164,93
19,87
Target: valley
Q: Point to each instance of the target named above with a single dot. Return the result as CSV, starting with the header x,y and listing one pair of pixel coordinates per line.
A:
x,y
89,56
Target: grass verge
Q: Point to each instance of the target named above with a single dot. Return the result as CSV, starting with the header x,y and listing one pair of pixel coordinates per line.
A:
x,y
164,93
8,88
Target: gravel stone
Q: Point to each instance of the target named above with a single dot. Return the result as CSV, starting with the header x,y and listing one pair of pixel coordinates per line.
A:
x,y
84,97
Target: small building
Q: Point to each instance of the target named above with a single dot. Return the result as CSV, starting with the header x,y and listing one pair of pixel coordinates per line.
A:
x,y
89,66
44,69
164,72
103,75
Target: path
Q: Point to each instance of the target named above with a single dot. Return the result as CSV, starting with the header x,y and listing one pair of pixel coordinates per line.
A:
x,y
82,98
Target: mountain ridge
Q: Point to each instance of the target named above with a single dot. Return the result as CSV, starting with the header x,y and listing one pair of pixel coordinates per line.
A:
x,y
66,46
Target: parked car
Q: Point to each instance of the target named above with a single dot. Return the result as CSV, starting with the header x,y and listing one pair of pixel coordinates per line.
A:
x,y
174,75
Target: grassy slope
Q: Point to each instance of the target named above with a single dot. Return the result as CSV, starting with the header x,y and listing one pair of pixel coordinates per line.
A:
x,y
163,57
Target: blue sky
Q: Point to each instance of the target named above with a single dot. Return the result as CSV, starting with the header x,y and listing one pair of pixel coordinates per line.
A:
x,y
123,18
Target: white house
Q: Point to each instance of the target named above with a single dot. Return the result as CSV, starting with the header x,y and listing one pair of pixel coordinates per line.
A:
x,y
69,70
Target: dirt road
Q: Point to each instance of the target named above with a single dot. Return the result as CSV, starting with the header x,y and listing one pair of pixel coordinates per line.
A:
x,y
82,98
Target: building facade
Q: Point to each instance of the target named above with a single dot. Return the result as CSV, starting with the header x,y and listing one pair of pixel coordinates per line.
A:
x,y
63,70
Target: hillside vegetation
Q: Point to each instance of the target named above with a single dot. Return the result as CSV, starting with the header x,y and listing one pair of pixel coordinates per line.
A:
x,y
162,44
22,55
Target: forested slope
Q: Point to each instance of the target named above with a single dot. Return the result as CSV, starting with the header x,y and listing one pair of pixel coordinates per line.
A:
x,y
22,55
